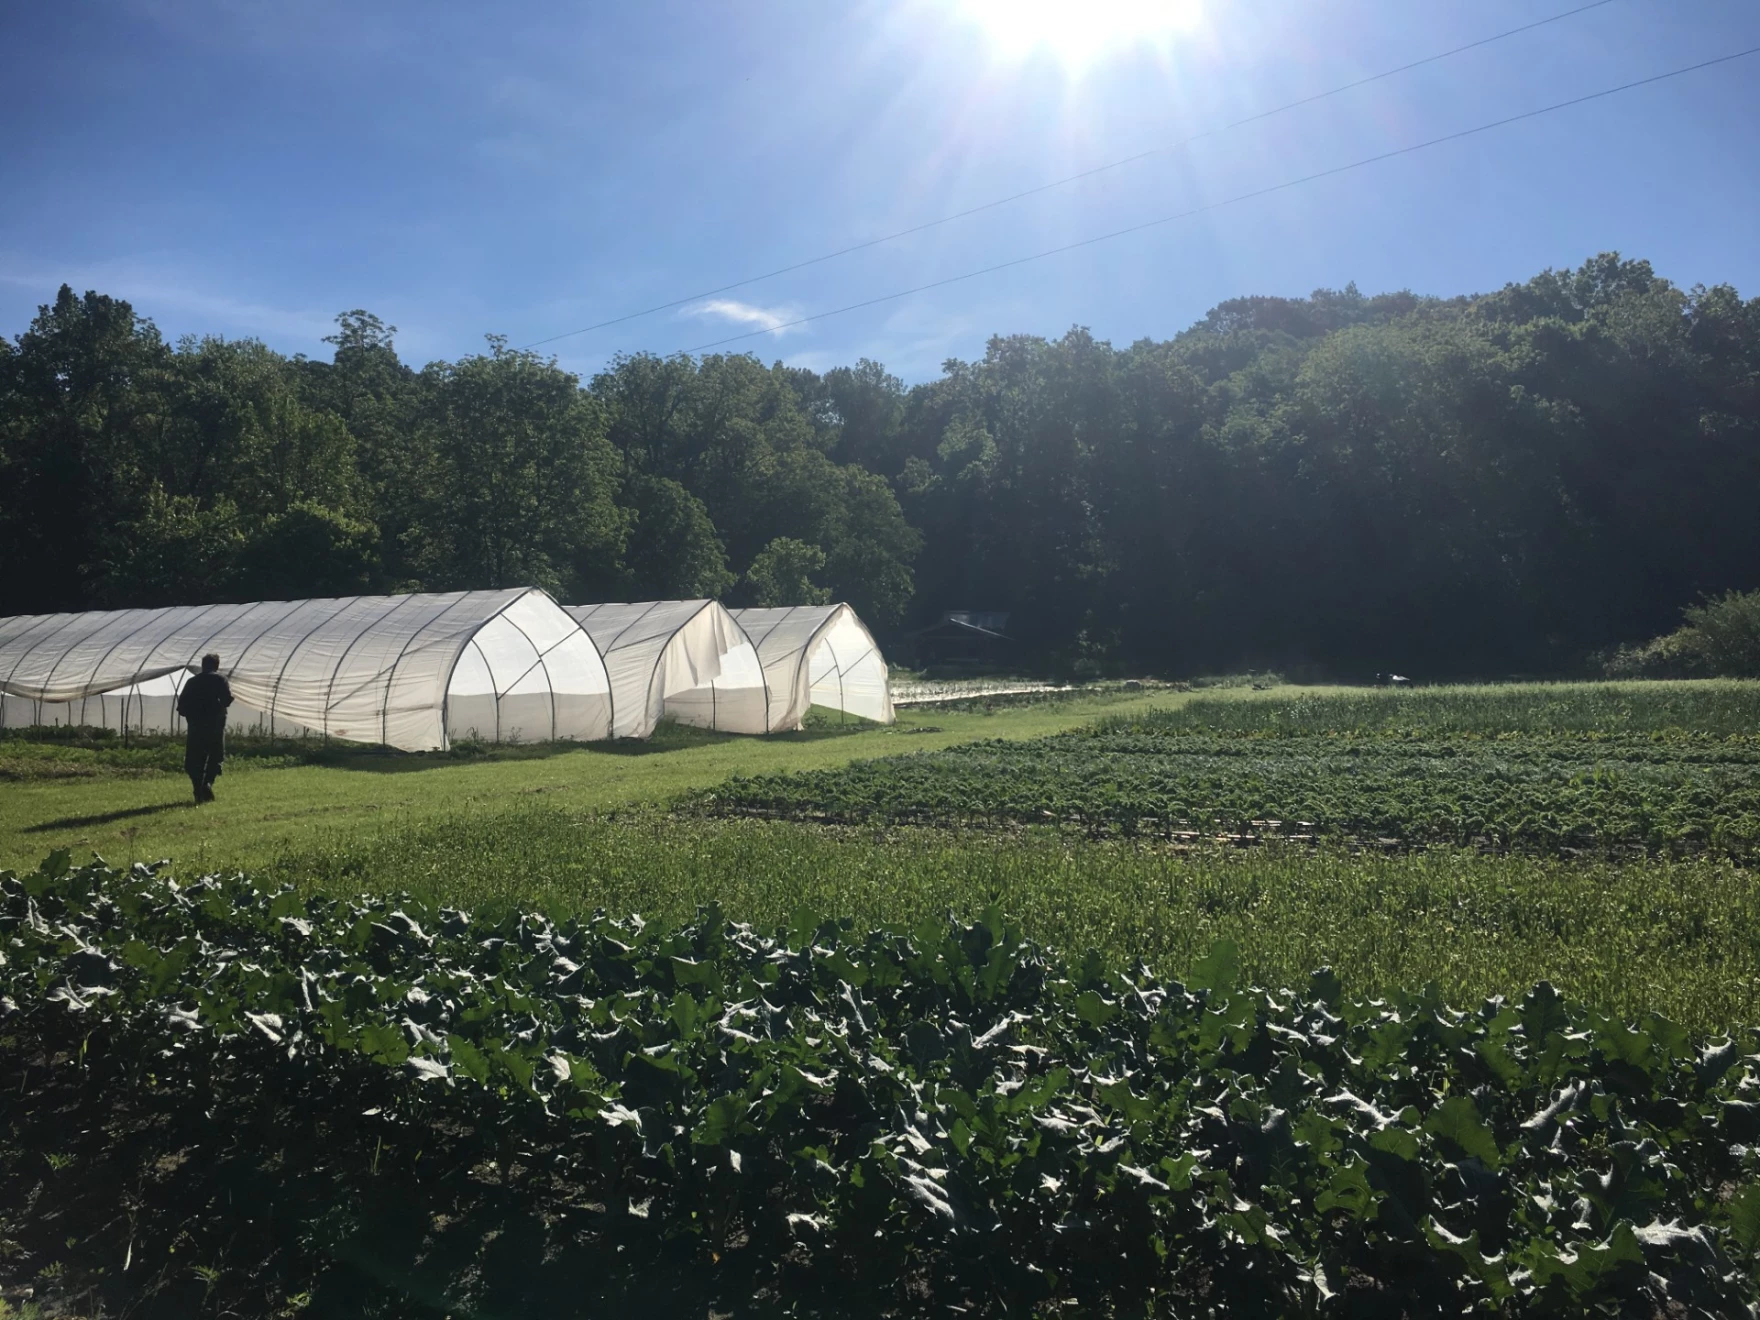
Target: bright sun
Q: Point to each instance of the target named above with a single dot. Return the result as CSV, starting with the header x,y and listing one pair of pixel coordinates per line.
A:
x,y
1078,31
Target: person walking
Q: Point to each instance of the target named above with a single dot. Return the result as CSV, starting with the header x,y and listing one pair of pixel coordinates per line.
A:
x,y
203,703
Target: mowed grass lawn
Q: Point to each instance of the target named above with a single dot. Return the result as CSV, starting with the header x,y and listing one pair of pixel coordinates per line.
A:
x,y
90,803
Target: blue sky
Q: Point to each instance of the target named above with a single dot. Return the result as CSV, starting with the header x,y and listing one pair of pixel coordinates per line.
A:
x,y
252,168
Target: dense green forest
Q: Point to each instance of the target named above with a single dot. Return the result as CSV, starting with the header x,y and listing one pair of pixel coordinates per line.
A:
x,y
1336,485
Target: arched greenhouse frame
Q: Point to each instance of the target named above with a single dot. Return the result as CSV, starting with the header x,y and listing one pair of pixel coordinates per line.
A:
x,y
414,672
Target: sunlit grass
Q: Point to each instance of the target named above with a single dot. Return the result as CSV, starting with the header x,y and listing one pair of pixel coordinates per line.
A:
x,y
575,829
1675,937
132,804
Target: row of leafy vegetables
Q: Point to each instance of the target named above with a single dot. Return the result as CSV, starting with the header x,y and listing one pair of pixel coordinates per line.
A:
x,y
223,1099
1532,792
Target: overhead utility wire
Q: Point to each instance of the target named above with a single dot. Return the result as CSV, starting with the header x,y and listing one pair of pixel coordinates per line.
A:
x,y
1072,178
1230,201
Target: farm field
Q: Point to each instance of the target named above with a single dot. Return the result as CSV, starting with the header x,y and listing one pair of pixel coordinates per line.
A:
x,y
132,804
1627,937
264,1105
1628,911
1542,770
942,1029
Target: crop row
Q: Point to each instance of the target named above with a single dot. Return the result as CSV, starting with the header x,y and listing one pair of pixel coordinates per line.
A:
x,y
1720,708
227,1098
1539,794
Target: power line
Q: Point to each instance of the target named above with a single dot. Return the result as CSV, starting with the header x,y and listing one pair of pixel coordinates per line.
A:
x,y
1073,178
1230,201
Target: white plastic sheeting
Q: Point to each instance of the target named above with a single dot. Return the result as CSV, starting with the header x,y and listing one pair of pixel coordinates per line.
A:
x,y
149,706
686,659
817,655
408,671
734,701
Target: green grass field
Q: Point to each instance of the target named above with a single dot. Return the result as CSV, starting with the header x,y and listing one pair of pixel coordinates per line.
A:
x,y
134,804
1673,937
621,828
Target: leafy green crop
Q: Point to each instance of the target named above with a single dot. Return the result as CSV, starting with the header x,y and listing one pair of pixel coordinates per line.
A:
x,y
1175,774
1718,709
377,1107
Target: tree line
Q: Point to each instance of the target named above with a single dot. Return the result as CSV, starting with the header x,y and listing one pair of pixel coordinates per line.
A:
x,y
1333,484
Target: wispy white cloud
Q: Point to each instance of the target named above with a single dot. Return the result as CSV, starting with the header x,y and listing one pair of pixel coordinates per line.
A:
x,y
748,316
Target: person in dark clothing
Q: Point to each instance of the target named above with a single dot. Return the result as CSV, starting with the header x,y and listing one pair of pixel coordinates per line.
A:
x,y
203,703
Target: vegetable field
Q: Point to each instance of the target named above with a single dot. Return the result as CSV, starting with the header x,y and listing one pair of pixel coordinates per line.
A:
x,y
1626,937
239,1101
983,1030
1542,770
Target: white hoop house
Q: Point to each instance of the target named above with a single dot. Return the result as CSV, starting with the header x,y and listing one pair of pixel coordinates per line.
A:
x,y
411,672
817,655
686,659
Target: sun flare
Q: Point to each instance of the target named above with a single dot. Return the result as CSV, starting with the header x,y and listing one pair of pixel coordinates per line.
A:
x,y
1078,31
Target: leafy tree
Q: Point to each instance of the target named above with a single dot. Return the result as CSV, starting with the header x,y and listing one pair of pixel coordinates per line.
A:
x,y
378,399
234,425
309,550
1335,484
1720,639
1728,630
79,387
672,552
782,574
869,548
866,404
750,444
175,551
523,479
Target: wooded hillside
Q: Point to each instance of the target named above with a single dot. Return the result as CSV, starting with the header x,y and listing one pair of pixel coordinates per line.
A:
x,y
1342,483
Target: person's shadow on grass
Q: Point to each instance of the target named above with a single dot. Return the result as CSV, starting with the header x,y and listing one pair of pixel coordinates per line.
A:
x,y
105,818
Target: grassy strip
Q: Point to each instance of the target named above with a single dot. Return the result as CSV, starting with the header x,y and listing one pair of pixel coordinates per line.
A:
x,y
1671,936
132,811
83,752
